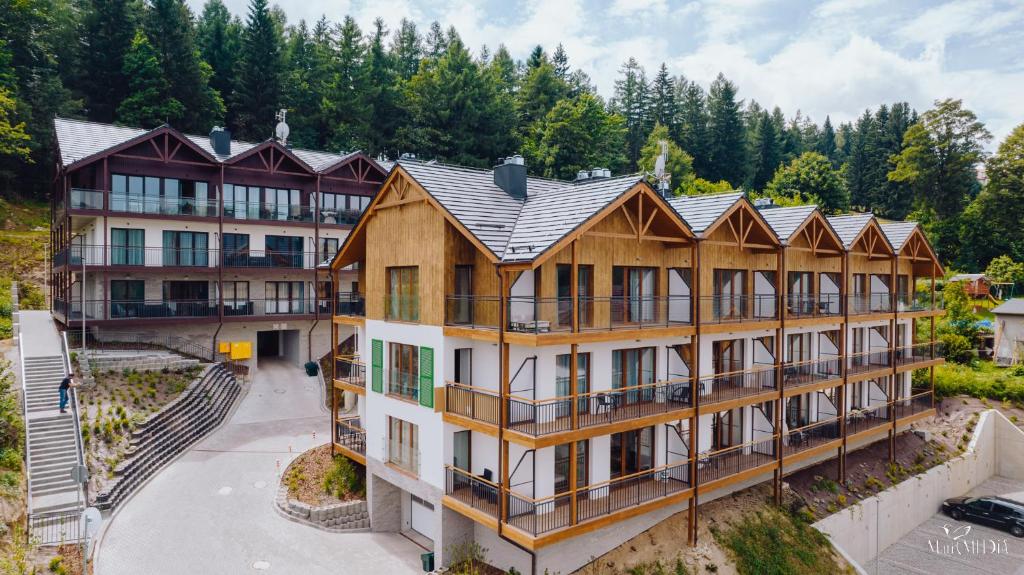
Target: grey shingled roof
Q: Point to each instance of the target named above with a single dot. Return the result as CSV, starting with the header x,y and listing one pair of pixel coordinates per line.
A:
x,y
849,227
898,232
785,221
79,139
557,210
515,229
1010,307
702,211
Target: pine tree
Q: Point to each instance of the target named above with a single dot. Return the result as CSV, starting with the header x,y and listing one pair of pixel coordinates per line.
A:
x,y
767,151
168,26
539,92
827,142
149,103
349,107
261,73
692,122
560,60
382,93
536,58
663,100
406,49
504,71
727,152
107,30
632,102
857,162
436,41
219,37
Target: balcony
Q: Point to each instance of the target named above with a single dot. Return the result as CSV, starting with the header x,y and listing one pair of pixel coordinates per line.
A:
x,y
918,403
865,304
737,385
810,436
162,309
270,259
539,516
544,315
137,256
540,417
163,205
340,217
721,309
920,301
474,403
863,419
349,304
919,353
473,311
867,361
727,462
86,199
808,373
351,438
800,306
349,372
267,212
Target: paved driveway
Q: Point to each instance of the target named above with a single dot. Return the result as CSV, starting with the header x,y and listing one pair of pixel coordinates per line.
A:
x,y
211,511
912,555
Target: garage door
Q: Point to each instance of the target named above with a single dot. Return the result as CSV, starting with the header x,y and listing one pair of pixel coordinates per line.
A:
x,y
422,520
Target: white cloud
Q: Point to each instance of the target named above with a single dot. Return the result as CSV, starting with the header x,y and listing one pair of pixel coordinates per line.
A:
x,y
638,7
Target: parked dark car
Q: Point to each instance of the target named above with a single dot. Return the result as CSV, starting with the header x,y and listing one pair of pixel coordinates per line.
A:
x,y
997,512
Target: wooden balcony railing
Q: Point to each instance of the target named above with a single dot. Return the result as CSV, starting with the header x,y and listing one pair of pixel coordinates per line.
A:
x,y
732,460
811,436
737,384
866,361
473,402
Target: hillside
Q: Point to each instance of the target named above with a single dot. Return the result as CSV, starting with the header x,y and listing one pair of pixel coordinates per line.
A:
x,y
24,236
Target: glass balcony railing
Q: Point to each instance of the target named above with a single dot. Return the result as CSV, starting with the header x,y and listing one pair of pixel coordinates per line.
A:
x,y
163,205
85,199
349,303
267,212
862,304
163,309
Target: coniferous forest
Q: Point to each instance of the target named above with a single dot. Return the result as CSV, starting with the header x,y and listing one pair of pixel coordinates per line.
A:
x,y
423,91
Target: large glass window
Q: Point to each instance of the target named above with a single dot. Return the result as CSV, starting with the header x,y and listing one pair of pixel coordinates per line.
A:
x,y
153,195
127,247
284,251
186,249
403,300
327,249
236,298
730,288
563,363
633,294
403,444
284,297
403,371
563,459
632,368
127,298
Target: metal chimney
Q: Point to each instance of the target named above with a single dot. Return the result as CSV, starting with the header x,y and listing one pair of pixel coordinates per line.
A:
x,y
510,176
220,141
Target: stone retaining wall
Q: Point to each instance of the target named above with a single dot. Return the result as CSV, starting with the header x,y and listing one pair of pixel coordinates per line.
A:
x,y
153,362
337,518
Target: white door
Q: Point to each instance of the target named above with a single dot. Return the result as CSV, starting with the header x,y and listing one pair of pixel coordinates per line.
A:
x,y
422,518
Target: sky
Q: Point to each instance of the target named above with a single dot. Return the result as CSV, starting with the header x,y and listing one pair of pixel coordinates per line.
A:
x,y
834,57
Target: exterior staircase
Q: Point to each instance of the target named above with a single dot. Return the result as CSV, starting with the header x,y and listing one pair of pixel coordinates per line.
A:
x,y
52,438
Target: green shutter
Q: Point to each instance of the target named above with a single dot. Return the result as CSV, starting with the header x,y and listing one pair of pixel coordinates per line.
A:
x,y
427,377
377,365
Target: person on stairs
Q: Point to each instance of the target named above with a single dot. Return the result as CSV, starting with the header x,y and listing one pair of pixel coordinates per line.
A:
x,y
66,384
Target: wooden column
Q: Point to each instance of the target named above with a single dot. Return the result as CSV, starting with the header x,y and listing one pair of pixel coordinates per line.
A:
x,y
692,514
934,347
844,365
892,358
503,379
780,351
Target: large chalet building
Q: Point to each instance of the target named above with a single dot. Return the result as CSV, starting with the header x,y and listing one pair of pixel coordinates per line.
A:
x,y
204,237
549,368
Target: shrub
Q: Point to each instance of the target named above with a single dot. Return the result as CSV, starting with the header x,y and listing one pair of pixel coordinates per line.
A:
x,y
467,558
10,458
57,564
873,484
343,478
958,348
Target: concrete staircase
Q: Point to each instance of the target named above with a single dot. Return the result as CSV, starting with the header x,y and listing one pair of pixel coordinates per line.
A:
x,y
161,438
52,442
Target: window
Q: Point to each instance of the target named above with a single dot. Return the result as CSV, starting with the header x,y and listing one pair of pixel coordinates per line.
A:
x,y
464,366
152,195
186,290
403,371
186,249
280,204
632,368
801,293
403,300
403,444
633,294
563,454
799,347
284,297
236,298
127,298
327,249
631,452
584,290
563,363
797,411
127,247
283,251
729,292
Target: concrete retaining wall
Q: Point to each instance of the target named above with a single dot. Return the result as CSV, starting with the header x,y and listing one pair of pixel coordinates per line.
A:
x,y
338,517
865,529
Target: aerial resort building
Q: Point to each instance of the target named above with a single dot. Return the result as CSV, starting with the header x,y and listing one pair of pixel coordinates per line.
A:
x,y
542,366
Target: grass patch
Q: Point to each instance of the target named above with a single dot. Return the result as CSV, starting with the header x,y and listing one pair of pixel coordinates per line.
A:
x,y
980,379
774,542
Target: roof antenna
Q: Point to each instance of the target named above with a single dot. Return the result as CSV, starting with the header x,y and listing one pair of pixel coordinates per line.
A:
x,y
660,175
281,131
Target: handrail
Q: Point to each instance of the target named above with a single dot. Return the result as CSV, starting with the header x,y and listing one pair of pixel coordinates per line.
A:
x,y
469,475
24,407
709,454
588,394
82,491
835,419
344,422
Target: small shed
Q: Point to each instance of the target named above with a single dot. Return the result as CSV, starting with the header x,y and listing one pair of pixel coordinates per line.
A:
x,y
1009,340
976,285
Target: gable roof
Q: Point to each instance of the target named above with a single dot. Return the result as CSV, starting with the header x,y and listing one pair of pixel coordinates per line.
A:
x,y
79,140
1010,307
702,211
898,233
785,221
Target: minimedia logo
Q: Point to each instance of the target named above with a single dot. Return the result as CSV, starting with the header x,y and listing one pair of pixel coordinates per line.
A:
x,y
957,543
